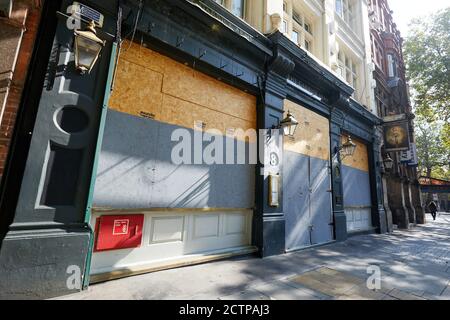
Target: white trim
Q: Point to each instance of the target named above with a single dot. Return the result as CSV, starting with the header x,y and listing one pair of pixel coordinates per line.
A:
x,y
176,262
310,247
292,83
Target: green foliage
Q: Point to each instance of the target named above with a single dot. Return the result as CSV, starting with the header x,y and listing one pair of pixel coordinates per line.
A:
x,y
446,135
434,156
427,56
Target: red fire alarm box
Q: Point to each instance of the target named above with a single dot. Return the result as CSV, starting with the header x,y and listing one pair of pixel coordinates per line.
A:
x,y
119,232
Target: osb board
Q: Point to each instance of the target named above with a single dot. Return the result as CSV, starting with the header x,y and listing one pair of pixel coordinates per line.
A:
x,y
360,159
145,78
187,114
312,137
137,90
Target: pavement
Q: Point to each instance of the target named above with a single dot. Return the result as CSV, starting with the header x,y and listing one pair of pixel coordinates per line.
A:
x,y
404,265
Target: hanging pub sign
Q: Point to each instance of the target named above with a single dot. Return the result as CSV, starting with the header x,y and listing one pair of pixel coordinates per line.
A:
x,y
396,136
414,158
405,156
409,157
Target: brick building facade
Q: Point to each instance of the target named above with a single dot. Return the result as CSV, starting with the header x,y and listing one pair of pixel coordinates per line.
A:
x,y
19,21
402,190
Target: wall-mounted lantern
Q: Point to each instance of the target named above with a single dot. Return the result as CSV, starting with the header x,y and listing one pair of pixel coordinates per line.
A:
x,y
87,48
388,163
288,125
348,148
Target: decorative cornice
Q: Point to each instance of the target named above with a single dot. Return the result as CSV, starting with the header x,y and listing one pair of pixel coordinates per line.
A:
x,y
281,64
363,114
340,100
324,78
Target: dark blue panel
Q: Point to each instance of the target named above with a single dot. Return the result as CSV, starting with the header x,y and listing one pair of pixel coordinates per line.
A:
x,y
356,187
136,171
321,202
296,199
307,200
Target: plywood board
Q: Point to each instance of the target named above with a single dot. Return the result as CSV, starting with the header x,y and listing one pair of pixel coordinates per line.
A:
x,y
186,114
137,90
360,160
312,137
146,78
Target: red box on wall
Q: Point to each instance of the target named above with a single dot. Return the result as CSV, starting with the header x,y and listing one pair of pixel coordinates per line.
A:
x,y
119,232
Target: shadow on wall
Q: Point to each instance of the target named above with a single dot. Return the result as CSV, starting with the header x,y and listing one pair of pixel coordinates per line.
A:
x,y
136,171
307,200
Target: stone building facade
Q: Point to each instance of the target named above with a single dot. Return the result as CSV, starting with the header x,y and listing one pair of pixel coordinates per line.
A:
x,y
402,189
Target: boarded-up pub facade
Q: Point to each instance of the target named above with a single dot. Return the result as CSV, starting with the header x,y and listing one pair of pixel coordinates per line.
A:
x,y
180,66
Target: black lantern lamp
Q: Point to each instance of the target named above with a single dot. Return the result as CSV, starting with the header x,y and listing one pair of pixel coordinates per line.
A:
x,y
87,48
289,125
388,163
348,148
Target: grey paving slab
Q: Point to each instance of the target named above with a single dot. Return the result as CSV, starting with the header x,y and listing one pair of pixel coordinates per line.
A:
x,y
361,292
316,294
401,295
249,294
280,290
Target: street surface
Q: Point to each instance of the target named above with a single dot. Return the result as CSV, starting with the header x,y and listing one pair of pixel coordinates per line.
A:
x,y
412,265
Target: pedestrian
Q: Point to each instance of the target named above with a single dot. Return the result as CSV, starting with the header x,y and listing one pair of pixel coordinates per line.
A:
x,y
433,209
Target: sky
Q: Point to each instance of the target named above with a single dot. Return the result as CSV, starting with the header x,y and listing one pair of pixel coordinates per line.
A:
x,y
406,10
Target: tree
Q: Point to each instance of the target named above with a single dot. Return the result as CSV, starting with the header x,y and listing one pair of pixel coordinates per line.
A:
x,y
427,56
434,157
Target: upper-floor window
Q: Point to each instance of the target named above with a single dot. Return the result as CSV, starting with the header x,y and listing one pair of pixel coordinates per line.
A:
x,y
308,45
237,7
345,9
284,27
348,71
339,7
302,33
295,36
392,66
307,27
297,18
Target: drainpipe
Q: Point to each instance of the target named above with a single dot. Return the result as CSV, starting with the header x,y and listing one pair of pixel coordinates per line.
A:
x,y
108,90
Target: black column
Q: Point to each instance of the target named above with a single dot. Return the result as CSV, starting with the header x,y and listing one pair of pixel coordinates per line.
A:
x,y
379,218
340,219
269,222
417,202
45,250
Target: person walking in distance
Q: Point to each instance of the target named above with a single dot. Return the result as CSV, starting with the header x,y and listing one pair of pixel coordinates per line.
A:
x,y
433,209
